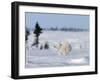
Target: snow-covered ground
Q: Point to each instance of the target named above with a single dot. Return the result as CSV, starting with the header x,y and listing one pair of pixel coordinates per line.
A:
x,y
79,54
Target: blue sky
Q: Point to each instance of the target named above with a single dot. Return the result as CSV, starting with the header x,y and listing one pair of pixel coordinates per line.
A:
x,y
47,20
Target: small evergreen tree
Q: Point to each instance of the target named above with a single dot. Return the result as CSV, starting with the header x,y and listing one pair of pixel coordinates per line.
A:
x,y
46,46
26,35
37,32
41,47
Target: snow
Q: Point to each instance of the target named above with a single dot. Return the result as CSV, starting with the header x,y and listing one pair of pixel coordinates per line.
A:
x,y
79,54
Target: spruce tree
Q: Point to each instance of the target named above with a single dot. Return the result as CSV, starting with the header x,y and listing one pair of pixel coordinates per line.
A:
x,y
37,32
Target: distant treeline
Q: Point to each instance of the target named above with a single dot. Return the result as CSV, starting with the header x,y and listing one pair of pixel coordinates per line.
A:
x,y
61,29
65,29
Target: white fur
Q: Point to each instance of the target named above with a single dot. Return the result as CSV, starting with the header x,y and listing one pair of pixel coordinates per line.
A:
x,y
63,48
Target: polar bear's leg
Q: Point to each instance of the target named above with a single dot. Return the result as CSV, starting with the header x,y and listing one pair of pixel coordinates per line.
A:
x,y
65,51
